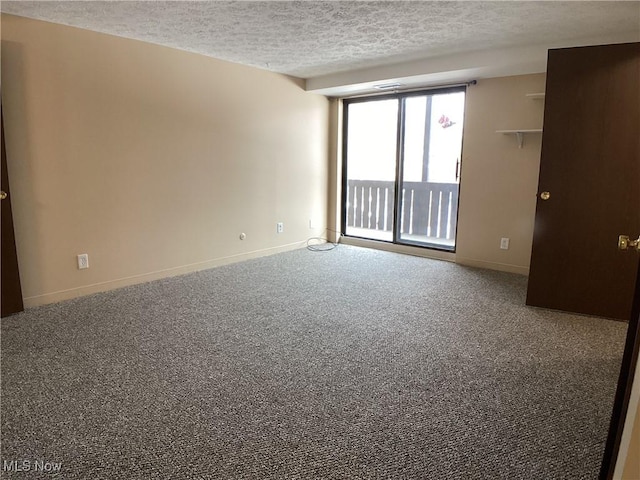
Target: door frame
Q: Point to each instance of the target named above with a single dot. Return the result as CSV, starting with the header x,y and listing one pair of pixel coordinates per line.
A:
x,y
623,390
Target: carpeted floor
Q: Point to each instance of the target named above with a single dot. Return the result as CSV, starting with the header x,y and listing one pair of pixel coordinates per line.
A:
x,y
349,364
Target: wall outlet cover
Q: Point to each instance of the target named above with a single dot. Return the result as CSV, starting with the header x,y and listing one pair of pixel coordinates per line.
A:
x,y
83,261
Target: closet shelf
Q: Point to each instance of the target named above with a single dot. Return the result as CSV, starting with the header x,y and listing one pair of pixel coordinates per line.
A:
x,y
520,133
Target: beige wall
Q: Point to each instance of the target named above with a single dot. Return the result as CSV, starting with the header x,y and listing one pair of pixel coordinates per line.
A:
x,y
499,180
150,159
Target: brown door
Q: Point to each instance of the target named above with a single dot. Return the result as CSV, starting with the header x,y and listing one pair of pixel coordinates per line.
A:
x,y
10,281
590,167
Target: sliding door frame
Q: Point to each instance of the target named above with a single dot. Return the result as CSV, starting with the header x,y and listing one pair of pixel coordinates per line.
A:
x,y
400,137
400,129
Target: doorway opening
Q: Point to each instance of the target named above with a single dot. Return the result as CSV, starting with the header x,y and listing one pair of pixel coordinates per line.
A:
x,y
402,167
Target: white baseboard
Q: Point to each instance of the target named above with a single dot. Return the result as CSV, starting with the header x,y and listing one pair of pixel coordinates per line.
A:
x,y
502,267
61,295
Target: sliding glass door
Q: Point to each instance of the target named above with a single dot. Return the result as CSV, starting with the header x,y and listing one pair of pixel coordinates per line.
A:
x,y
402,165
371,171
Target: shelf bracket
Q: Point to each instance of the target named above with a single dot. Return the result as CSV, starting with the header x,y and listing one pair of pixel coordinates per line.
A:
x,y
520,134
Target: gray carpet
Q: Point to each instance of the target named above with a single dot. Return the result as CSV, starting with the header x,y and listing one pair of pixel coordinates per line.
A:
x,y
349,364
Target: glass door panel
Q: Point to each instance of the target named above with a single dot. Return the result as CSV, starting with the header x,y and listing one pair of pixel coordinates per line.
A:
x,y
430,166
371,158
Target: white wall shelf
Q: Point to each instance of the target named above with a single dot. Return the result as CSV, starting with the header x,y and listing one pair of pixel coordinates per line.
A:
x,y
520,134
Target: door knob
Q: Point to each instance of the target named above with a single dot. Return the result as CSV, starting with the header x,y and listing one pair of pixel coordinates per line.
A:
x,y
3,195
625,243
545,195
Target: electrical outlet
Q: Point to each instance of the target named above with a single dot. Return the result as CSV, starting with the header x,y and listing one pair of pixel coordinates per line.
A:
x,y
504,243
83,261
280,227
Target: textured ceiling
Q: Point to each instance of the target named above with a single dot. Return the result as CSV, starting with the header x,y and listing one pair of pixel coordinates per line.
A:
x,y
312,38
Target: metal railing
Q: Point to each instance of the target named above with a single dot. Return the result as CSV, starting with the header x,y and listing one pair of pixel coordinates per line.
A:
x,y
428,209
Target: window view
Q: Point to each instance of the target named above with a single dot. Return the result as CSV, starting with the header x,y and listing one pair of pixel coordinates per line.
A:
x,y
425,165
371,169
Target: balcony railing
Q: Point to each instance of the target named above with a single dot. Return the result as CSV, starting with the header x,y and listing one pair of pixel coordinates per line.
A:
x,y
428,213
